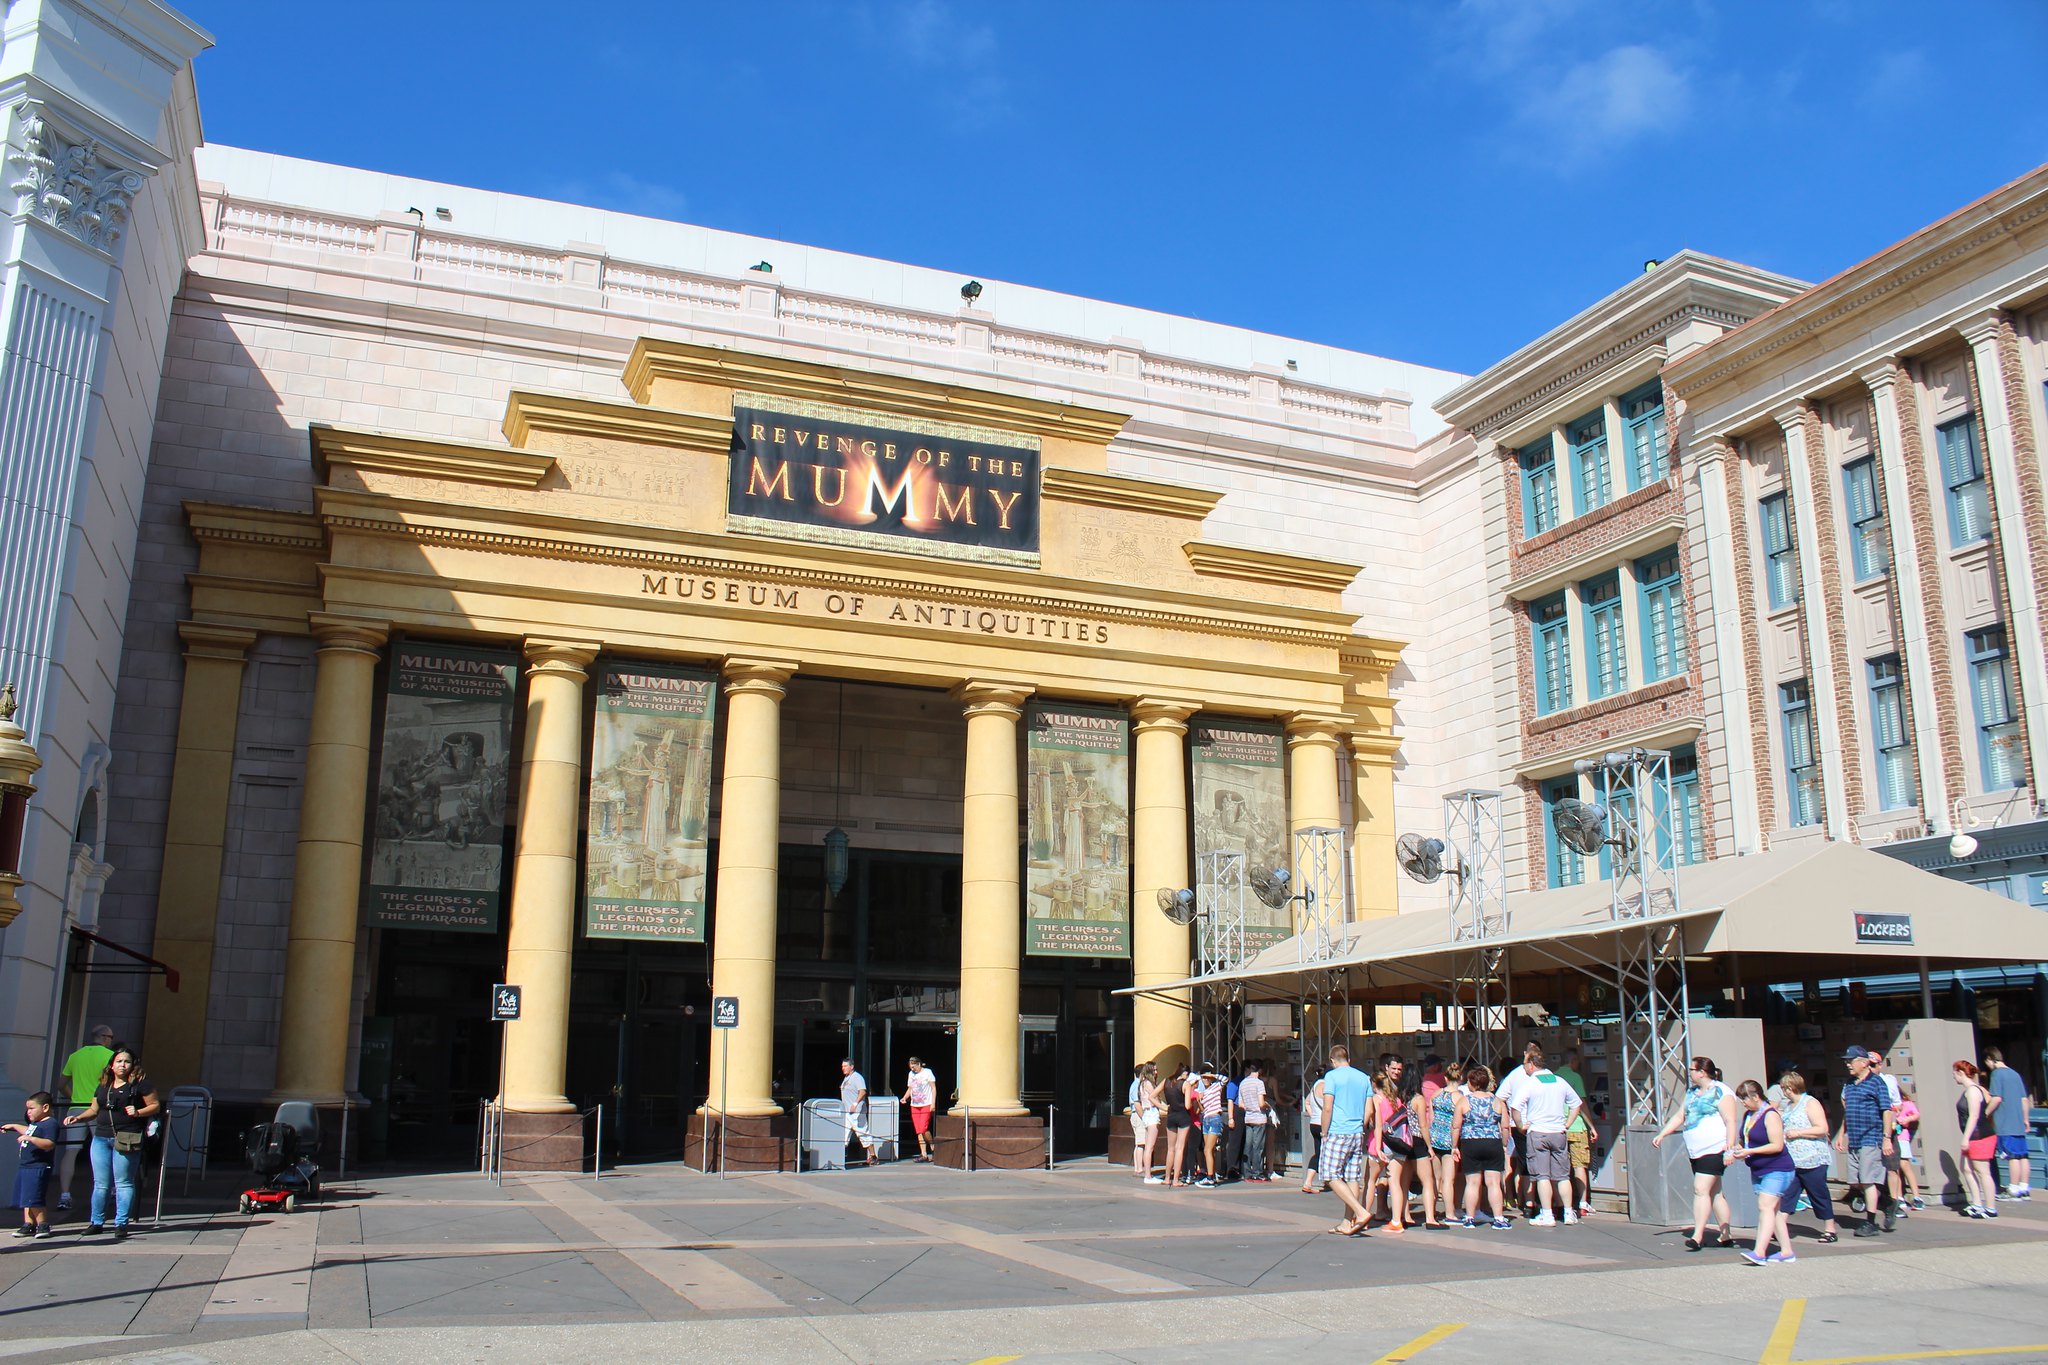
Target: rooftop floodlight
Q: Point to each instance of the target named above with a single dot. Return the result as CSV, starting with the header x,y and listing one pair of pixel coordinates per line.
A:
x,y
761,266
971,291
444,215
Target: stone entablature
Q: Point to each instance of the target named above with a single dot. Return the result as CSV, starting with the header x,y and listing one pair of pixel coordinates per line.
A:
x,y
404,249
1619,341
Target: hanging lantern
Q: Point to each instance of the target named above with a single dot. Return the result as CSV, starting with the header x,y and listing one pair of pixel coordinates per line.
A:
x,y
837,859
18,765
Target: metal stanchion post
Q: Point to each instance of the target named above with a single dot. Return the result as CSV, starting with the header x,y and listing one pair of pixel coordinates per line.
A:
x,y
345,1107
1051,1111
967,1156
724,1070
597,1156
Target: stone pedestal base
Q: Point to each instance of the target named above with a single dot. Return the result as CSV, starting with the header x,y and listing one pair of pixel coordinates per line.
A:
x,y
1011,1144
543,1142
764,1143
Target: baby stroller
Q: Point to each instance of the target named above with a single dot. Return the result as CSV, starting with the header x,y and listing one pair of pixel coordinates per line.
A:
x,y
286,1153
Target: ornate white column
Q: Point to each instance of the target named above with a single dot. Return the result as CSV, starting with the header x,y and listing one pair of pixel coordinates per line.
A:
x,y
1724,591
1923,692
56,296
1797,422
2015,543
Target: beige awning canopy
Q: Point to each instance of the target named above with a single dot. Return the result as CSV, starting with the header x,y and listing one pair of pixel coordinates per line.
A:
x,y
1815,908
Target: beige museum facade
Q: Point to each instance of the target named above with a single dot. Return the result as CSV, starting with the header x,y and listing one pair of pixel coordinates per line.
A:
x,y
599,529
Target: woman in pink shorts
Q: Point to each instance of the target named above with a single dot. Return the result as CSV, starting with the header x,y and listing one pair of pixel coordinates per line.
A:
x,y
1979,1142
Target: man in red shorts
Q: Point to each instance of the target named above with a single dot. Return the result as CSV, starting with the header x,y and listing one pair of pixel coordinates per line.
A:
x,y
920,1094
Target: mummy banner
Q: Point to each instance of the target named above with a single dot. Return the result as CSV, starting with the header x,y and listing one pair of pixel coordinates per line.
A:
x,y
646,859
437,847
1239,770
1078,892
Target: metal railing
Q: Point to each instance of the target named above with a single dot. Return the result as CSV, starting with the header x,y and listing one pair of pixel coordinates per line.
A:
x,y
491,1140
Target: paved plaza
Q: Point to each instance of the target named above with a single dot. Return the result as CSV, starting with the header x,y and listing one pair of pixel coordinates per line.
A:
x,y
917,1263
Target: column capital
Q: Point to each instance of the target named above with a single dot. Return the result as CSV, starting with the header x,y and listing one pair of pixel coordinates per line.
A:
x,y
1308,727
1793,417
1712,451
206,641
347,632
765,677
1885,374
1982,328
1158,713
985,698
569,658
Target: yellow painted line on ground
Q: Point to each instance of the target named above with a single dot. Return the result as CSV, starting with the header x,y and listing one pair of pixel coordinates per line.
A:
x,y
985,1360
1411,1349
2035,1349
1778,1350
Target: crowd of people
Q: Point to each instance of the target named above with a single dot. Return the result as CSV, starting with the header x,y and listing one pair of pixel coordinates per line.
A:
x,y
1451,1144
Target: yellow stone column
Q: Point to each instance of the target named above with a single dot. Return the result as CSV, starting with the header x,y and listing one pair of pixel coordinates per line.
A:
x,y
1374,873
1312,801
188,887
320,950
743,932
991,901
1160,949
543,928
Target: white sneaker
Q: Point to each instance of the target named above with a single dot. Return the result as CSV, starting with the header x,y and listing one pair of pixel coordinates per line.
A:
x,y
1570,1217
1544,1219
1154,1180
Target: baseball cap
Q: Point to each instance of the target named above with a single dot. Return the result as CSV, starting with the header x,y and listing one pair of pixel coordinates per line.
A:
x,y
1856,1054
1208,1070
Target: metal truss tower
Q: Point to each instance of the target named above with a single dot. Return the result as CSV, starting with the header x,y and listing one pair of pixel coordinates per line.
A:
x,y
1481,1016
1220,947
1649,966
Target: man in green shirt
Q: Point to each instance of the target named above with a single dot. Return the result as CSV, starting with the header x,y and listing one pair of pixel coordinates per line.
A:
x,y
81,1076
1579,1137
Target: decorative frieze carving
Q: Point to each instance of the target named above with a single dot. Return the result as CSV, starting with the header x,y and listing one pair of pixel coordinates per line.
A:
x,y
72,181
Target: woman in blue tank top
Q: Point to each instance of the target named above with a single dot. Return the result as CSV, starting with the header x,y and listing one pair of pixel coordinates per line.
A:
x,y
1475,1131
1771,1170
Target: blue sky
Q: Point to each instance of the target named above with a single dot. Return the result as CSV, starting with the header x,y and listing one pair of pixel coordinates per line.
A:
x,y
1435,182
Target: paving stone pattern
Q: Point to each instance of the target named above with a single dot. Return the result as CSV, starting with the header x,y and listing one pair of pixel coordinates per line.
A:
x,y
941,1254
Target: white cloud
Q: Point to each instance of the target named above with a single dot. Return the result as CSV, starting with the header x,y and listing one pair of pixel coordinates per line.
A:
x,y
931,33
1897,78
936,36
1563,114
1602,105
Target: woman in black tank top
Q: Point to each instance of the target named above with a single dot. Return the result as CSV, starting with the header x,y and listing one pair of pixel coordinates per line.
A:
x,y
1176,1096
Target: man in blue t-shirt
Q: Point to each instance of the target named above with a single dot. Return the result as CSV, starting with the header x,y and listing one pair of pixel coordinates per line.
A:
x,y
1340,1159
1868,1122
2009,1120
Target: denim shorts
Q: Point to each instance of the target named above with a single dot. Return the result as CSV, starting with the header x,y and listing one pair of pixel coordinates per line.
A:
x,y
1213,1124
1777,1184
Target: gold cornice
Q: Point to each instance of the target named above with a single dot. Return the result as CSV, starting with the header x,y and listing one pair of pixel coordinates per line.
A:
x,y
271,526
1269,566
207,640
418,458
1372,653
573,415
1125,493
1369,747
524,536
719,366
